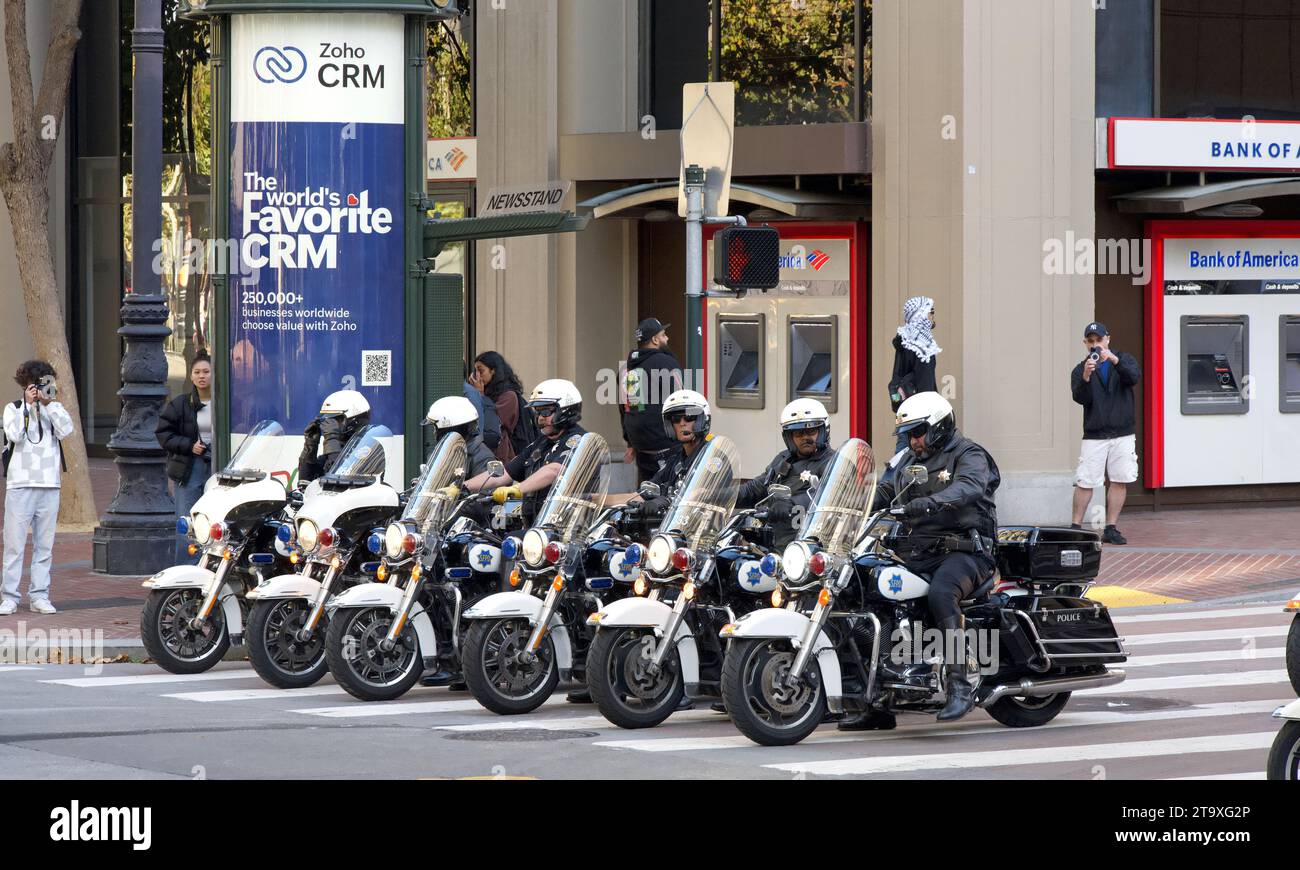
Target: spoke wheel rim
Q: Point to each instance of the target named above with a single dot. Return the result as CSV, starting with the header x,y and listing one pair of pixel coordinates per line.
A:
x,y
501,665
768,695
174,628
287,653
370,663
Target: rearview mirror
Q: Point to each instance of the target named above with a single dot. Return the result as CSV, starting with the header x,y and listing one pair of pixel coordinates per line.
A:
x,y
649,490
496,468
917,474
779,489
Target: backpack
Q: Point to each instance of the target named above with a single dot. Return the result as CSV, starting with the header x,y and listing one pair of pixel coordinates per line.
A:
x,y
526,430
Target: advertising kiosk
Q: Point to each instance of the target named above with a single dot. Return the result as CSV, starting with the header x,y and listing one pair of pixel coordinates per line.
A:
x,y
1223,353
805,339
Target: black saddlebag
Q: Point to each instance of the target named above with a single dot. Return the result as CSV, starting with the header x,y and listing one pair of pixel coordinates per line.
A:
x,y
1048,555
1071,632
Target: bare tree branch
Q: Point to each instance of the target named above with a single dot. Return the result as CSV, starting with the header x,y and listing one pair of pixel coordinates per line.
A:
x,y
20,78
57,74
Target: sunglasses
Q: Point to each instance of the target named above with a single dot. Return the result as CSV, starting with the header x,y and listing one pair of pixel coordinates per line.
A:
x,y
677,418
919,430
546,410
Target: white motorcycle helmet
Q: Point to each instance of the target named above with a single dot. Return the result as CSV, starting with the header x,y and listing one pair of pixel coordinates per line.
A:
x,y
453,414
348,403
559,393
930,413
805,414
692,404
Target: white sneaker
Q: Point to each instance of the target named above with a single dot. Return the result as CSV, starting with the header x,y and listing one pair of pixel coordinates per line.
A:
x,y
8,607
40,605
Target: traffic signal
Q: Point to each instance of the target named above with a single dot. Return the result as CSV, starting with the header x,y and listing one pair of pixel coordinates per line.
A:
x,y
747,258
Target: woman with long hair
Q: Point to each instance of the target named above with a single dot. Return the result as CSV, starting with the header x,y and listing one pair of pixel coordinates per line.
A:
x,y
497,380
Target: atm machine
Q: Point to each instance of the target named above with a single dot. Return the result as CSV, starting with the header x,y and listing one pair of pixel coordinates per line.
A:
x,y
768,348
1222,375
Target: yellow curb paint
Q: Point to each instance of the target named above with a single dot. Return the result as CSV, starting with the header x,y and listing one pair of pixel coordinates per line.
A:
x,y
1119,596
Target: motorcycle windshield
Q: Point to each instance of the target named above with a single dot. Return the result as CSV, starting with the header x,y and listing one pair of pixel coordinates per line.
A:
x,y
707,496
840,509
362,457
428,504
578,493
259,452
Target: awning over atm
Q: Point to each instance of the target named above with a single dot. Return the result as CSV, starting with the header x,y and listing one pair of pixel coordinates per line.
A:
x,y
641,199
1195,197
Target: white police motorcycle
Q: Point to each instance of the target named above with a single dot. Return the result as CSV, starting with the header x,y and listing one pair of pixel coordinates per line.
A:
x,y
1284,757
287,622
195,612
1293,642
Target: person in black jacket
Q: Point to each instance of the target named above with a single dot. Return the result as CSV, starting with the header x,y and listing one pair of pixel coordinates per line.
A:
x,y
185,431
341,414
651,374
1103,383
805,428
914,356
952,524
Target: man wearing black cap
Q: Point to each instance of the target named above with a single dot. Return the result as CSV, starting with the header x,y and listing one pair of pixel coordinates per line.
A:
x,y
1103,383
650,375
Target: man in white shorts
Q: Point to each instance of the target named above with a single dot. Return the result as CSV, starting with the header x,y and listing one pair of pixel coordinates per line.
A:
x,y
1103,383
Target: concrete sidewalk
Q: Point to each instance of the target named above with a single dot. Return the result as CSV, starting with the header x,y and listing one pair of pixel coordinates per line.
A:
x,y
1172,557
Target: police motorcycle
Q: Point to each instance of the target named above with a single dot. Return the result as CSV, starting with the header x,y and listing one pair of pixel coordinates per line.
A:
x,y
1284,757
383,635
848,622
1293,642
195,612
699,571
287,622
521,643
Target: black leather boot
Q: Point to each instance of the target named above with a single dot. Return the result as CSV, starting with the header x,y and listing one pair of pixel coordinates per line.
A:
x,y
961,698
872,720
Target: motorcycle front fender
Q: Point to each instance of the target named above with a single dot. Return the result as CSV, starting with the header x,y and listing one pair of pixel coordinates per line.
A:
x,y
286,586
774,622
180,577
508,605
644,613
1288,711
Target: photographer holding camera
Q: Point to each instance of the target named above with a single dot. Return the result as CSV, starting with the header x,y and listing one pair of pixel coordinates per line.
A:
x,y
185,432
33,461
1103,383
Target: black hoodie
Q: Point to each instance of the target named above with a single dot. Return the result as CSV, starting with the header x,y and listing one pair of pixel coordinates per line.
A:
x,y
652,375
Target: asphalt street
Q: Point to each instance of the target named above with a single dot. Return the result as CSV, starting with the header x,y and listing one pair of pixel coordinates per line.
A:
x,y
1201,684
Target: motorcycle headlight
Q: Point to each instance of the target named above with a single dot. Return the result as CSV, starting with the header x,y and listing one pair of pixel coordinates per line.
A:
x,y
394,538
202,527
534,547
659,555
308,534
794,561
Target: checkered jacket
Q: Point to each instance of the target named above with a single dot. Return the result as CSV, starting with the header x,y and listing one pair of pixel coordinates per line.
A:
x,y
36,464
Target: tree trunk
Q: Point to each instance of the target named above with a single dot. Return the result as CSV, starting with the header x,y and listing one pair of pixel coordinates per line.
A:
x,y
28,205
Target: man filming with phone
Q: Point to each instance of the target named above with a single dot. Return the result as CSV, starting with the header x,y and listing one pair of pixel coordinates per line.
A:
x,y
33,461
1103,383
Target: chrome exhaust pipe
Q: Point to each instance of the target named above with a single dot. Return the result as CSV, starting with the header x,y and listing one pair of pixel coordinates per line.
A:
x,y
1028,688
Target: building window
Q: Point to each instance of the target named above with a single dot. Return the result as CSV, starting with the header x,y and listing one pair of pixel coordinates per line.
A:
x,y
1230,59
793,61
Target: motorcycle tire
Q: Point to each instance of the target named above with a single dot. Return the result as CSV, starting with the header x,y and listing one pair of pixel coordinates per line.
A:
x,y
268,624
739,676
489,644
393,679
1293,654
166,605
610,681
1284,757
1028,712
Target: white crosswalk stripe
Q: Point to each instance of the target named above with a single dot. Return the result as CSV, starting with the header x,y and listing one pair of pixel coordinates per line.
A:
x,y
256,694
362,709
1236,654
1122,619
150,679
1191,681
1238,634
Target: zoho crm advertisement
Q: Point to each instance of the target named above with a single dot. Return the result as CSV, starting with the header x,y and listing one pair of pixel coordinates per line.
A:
x,y
316,208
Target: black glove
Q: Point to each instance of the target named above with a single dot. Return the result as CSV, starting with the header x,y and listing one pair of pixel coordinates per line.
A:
x,y
654,507
779,510
331,430
920,507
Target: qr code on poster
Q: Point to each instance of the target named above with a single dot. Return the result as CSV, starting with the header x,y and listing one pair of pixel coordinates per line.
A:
x,y
376,368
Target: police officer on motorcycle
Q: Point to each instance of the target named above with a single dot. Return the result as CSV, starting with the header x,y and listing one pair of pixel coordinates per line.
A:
x,y
341,415
805,428
687,420
558,406
952,522
458,414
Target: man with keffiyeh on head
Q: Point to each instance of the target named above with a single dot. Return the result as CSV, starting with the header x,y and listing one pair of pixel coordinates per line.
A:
x,y
914,353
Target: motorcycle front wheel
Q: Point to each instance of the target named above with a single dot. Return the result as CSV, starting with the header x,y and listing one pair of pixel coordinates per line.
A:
x,y
1284,757
358,661
621,684
759,698
1293,654
170,638
499,675
277,654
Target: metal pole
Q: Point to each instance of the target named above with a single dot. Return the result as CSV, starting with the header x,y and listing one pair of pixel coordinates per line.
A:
x,y
694,268
137,534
